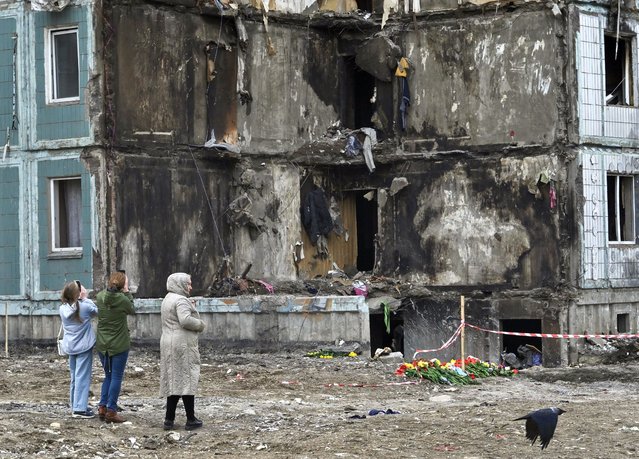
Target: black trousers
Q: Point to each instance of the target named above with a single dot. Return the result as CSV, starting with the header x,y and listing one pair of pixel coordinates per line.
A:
x,y
171,405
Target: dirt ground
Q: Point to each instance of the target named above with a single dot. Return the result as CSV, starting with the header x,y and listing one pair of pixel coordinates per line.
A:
x,y
292,406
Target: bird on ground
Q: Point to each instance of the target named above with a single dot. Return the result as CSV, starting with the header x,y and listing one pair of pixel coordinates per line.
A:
x,y
542,424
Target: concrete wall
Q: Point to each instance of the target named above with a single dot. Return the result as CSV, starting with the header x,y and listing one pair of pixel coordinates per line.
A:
x,y
466,221
468,79
240,323
168,216
471,79
431,322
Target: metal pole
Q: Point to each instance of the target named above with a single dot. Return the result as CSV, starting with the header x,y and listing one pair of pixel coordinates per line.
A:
x,y
463,335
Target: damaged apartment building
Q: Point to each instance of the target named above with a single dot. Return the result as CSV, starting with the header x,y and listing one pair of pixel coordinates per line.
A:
x,y
289,154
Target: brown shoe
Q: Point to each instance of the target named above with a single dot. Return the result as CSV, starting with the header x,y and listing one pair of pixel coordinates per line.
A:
x,y
113,416
102,412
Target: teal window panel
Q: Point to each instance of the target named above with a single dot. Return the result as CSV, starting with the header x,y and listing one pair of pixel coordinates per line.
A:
x,y
54,270
9,231
61,121
7,30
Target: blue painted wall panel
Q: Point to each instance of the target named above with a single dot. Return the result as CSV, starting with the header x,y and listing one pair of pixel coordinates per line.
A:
x,y
7,29
59,121
9,231
55,271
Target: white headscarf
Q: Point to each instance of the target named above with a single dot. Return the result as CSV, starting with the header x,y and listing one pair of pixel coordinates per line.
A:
x,y
178,283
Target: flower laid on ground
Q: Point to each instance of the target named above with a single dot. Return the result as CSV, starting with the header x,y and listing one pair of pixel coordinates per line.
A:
x,y
327,354
451,372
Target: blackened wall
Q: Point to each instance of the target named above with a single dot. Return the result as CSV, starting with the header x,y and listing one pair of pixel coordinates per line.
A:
x,y
160,75
169,218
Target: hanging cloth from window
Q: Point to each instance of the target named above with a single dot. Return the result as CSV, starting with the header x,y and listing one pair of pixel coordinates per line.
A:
x,y
316,216
402,73
405,102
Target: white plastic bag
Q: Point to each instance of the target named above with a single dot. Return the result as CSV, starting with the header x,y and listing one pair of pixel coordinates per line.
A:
x,y
59,341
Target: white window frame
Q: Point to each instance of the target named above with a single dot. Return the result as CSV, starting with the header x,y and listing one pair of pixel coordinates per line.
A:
x,y
54,216
50,61
629,239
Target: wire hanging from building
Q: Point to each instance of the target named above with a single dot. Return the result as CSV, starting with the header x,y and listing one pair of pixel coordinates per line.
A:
x,y
217,230
14,114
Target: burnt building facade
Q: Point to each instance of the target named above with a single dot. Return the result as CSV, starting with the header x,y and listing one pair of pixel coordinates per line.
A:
x,y
430,150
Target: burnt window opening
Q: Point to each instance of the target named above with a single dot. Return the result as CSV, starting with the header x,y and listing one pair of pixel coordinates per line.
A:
x,y
366,214
619,77
623,323
380,338
365,5
357,89
621,208
221,94
517,344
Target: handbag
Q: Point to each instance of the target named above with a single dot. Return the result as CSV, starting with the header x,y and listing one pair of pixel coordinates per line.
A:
x,y
59,341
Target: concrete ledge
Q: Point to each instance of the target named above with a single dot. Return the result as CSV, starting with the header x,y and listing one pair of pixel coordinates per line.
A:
x,y
265,323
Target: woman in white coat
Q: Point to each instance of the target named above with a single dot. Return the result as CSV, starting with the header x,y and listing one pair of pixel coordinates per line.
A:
x,y
179,352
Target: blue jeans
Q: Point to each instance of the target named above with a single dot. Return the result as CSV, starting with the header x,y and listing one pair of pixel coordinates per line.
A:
x,y
80,369
113,374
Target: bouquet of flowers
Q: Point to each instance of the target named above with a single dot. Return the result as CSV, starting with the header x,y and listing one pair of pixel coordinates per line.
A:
x,y
451,372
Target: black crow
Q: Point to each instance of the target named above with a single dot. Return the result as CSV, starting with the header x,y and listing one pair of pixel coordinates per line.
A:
x,y
541,423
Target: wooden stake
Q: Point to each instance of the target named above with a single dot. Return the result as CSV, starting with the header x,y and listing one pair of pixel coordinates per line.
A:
x,y
6,329
463,335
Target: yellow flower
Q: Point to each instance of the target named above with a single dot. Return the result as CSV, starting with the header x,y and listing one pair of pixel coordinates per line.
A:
x,y
486,364
352,354
436,362
410,366
422,364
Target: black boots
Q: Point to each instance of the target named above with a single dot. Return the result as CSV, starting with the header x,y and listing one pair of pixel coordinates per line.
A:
x,y
192,424
168,425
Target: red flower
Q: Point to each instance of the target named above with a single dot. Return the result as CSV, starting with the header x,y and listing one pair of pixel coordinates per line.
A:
x,y
515,371
472,376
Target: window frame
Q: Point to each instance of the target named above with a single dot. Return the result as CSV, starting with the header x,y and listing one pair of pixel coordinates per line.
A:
x,y
51,78
628,70
617,213
54,218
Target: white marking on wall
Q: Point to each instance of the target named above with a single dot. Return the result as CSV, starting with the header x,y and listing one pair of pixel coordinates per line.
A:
x,y
539,44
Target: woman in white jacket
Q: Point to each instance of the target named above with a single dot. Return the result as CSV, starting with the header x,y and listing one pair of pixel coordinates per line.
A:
x,y
76,313
179,352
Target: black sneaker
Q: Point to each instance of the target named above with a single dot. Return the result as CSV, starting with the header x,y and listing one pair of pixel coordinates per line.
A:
x,y
193,424
87,414
168,425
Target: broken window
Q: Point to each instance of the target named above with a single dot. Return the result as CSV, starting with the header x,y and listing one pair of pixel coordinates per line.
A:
x,y
623,323
65,214
62,65
619,78
621,214
357,91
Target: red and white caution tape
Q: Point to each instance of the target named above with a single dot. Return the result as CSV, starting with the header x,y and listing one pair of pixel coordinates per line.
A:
x,y
554,335
455,335
403,383
450,341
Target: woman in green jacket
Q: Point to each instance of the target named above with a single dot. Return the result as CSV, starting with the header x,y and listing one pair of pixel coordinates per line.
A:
x,y
113,342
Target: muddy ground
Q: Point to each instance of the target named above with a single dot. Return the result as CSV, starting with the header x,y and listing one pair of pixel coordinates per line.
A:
x,y
291,406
